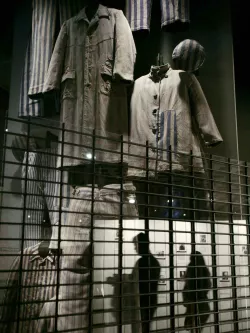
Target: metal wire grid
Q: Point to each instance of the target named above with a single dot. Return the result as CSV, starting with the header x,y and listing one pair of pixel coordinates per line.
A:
x,y
216,224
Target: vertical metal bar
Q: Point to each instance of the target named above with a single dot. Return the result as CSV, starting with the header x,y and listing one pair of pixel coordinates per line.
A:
x,y
232,252
192,222
59,228
146,224
23,229
193,203
213,246
3,164
147,191
3,157
120,254
92,233
171,243
247,215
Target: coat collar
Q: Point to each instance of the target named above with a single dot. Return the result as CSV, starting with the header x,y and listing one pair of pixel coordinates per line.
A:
x,y
102,11
159,72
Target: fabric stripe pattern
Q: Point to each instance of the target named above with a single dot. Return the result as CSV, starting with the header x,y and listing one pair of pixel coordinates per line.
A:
x,y
138,13
39,51
42,188
174,11
39,276
44,36
27,106
43,39
189,55
168,134
19,146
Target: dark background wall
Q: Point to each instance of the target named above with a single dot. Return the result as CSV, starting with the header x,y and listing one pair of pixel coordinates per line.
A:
x,y
241,30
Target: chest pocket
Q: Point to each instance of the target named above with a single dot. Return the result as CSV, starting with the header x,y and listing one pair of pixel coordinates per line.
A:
x,y
68,85
105,38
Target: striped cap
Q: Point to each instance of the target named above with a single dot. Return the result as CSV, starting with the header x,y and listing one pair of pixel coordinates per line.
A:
x,y
189,55
19,146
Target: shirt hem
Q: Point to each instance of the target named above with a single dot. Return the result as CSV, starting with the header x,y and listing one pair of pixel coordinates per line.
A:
x,y
168,22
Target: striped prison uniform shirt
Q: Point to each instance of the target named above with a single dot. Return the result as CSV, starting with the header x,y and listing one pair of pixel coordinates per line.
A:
x,y
138,13
38,285
39,50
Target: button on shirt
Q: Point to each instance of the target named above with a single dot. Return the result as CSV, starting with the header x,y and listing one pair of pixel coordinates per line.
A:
x,y
166,108
90,63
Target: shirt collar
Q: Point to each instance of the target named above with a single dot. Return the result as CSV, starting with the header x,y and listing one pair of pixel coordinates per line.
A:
x,y
102,11
157,73
36,256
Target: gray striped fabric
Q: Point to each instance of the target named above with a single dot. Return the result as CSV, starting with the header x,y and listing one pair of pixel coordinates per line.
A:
x,y
19,145
189,55
42,188
39,50
28,107
138,13
76,259
39,276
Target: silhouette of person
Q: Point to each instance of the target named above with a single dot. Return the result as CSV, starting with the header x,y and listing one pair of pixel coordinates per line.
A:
x,y
149,275
195,292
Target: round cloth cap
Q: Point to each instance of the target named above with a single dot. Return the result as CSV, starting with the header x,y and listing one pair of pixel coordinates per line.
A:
x,y
189,55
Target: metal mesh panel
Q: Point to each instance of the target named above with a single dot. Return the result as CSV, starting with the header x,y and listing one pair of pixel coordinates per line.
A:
x,y
88,249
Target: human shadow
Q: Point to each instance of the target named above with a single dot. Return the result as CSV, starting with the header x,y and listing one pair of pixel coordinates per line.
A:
x,y
196,288
138,289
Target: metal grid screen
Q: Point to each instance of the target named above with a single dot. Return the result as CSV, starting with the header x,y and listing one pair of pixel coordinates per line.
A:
x,y
89,249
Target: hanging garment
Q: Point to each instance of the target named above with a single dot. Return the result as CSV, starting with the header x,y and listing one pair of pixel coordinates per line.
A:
x,y
169,109
189,55
41,184
38,285
90,63
75,243
19,145
28,107
138,13
39,50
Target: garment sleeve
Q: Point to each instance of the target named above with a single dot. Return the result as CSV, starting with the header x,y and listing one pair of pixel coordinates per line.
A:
x,y
125,51
54,74
8,306
202,114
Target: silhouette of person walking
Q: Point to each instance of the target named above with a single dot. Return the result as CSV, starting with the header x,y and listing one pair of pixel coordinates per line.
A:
x,y
195,292
149,274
